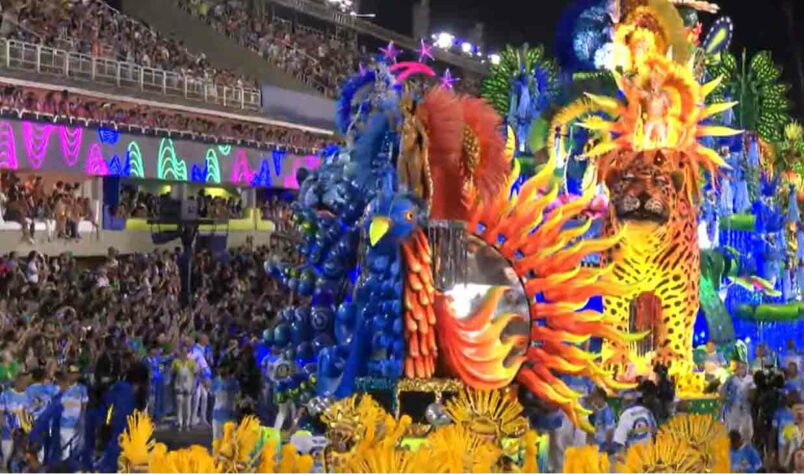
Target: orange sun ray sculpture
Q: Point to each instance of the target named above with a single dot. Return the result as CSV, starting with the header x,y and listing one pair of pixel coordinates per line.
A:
x,y
547,257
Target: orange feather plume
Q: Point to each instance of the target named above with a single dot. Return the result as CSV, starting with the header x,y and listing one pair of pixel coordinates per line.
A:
x,y
494,165
442,116
445,114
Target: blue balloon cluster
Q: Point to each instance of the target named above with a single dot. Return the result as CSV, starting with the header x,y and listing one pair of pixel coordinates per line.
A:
x,y
326,216
349,324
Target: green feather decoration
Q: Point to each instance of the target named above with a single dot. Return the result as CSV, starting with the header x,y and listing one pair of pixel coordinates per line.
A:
x,y
763,105
496,87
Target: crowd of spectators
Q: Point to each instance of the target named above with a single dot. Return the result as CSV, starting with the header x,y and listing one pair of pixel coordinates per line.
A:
x,y
305,53
43,104
144,205
94,321
308,54
278,211
28,202
92,27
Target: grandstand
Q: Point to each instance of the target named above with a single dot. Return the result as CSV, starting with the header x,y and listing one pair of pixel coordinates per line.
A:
x,y
167,97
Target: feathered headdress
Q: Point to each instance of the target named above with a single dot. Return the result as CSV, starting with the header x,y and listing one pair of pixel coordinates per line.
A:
x,y
686,109
492,414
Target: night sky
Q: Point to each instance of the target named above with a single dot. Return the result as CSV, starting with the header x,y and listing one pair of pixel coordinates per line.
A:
x,y
759,24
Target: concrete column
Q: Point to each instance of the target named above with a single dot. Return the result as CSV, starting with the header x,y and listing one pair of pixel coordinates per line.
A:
x,y
249,196
179,191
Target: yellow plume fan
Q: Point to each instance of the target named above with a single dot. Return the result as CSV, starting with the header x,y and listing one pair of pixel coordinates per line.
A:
x,y
510,143
292,462
195,459
704,435
381,458
717,108
531,453
586,459
663,17
793,132
664,454
267,462
492,414
137,441
247,435
158,462
455,449
225,448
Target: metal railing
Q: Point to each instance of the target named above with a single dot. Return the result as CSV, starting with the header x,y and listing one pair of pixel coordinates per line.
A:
x,y
31,57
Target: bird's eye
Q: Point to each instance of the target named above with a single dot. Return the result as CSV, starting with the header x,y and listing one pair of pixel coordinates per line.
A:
x,y
409,216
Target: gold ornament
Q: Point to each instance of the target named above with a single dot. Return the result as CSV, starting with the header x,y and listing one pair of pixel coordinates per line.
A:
x,y
348,420
492,415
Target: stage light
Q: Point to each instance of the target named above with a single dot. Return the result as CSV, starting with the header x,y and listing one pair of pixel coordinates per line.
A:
x,y
466,47
444,40
495,59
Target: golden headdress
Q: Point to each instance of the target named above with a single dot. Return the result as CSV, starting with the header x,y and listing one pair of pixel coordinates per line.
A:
x,y
663,454
491,414
682,100
349,419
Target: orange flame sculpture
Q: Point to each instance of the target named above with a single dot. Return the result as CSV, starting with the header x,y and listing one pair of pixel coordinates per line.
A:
x,y
547,258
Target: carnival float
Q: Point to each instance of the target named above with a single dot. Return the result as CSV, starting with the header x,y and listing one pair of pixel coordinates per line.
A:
x,y
589,217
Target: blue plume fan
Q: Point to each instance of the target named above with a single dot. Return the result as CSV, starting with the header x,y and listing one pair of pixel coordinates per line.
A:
x,y
345,112
583,29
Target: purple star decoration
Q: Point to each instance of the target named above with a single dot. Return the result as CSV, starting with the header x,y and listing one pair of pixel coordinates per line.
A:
x,y
390,51
447,80
425,52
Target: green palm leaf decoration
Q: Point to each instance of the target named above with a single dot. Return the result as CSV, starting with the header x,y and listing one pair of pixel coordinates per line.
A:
x,y
763,104
496,88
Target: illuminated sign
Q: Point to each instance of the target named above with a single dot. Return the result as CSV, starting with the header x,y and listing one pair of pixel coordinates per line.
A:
x,y
42,146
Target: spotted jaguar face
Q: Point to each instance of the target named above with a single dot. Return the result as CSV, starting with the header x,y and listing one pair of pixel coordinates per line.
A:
x,y
644,187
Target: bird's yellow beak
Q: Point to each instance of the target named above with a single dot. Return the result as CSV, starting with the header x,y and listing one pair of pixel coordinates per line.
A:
x,y
378,228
